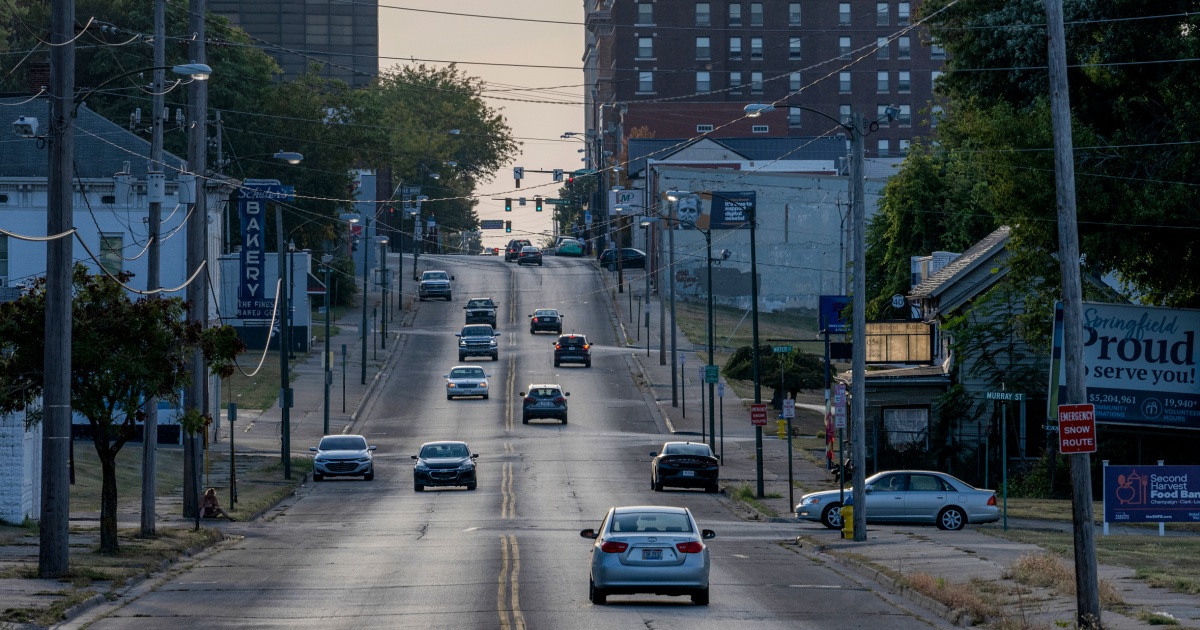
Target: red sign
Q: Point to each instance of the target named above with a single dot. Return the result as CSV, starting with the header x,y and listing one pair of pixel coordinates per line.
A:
x,y
1076,429
758,414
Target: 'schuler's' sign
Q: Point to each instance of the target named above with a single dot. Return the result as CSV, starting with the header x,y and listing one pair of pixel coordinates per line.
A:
x,y
252,283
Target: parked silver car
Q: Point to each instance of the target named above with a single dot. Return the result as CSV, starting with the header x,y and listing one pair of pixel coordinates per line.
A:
x,y
649,549
908,496
343,456
466,380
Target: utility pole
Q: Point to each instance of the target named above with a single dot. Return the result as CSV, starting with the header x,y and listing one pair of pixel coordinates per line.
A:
x,y
197,253
858,367
156,185
1087,592
53,551
285,386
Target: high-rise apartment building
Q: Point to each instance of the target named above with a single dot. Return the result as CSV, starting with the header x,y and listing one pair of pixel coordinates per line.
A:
x,y
341,36
681,68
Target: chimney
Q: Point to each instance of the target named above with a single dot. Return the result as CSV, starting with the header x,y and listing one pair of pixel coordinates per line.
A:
x,y
37,77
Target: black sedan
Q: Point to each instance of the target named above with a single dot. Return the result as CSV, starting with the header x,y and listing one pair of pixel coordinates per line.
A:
x,y
530,255
685,465
444,464
630,259
545,319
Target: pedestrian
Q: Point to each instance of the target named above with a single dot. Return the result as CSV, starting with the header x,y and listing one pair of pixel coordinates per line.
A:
x,y
211,508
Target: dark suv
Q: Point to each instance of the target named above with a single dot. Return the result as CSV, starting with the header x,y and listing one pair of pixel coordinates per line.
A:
x,y
544,401
477,340
513,250
630,259
481,311
572,348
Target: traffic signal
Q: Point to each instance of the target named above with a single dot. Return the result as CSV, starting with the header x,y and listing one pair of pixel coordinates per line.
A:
x,y
570,180
508,226
537,204
508,204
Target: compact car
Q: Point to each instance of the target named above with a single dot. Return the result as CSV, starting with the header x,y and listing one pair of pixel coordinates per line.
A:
x,y
630,259
530,255
466,380
544,401
444,464
908,496
649,549
572,348
343,456
685,465
545,319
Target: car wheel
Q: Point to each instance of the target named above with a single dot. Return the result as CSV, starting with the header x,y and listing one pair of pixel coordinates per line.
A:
x,y
462,357
712,488
418,487
448,298
657,485
471,486
951,518
421,298
448,396
532,331
832,516
612,267
587,363
485,396
496,357
524,419
564,419
369,476
318,476
700,598
557,363
597,595
558,331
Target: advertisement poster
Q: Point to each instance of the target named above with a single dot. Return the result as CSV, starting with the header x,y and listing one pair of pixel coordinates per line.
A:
x,y
834,311
717,210
1141,494
252,300
1139,362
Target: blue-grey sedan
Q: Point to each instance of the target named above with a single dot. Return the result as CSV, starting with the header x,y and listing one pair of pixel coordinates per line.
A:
x,y
649,549
343,456
466,380
908,496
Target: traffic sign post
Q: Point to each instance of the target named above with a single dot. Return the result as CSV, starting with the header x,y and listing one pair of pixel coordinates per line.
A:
x,y
703,432
721,396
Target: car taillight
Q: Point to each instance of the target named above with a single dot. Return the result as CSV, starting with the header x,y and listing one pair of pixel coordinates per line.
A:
x,y
558,346
535,320
992,500
529,400
586,346
612,546
562,399
694,546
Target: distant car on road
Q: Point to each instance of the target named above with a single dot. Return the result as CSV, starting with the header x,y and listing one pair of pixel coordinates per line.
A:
x,y
649,549
481,310
513,250
572,348
466,380
544,401
477,340
545,319
908,496
435,283
630,259
530,255
444,464
685,465
570,247
343,456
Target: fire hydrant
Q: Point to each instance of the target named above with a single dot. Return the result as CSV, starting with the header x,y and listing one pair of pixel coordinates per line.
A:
x,y
783,429
847,514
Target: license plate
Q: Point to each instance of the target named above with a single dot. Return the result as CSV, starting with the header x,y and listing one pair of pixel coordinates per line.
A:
x,y
689,473
545,404
652,554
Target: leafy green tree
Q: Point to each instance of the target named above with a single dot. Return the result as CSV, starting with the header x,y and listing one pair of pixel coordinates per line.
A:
x,y
123,352
801,371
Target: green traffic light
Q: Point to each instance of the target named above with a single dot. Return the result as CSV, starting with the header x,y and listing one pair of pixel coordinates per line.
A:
x,y
508,205
508,226
537,204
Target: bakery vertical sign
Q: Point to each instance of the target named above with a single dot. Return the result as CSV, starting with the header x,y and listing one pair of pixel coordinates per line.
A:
x,y
1140,365
252,300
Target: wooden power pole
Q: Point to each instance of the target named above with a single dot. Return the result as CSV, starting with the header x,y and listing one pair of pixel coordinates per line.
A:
x,y
197,254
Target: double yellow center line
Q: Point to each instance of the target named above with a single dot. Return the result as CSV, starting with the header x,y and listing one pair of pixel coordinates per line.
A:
x,y
511,617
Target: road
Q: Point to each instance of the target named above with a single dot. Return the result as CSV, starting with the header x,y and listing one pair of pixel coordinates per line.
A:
x,y
355,554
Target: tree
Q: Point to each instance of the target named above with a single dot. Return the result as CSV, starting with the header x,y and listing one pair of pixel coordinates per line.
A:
x,y
801,371
123,352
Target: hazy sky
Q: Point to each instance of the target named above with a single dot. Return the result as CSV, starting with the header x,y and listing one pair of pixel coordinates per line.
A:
x,y
472,41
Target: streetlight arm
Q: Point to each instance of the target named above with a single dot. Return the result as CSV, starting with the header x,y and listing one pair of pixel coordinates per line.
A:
x,y
195,71
755,110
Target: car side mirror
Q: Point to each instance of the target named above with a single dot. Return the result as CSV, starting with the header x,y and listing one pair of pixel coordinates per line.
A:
x,y
588,533
457,334
464,308
566,393
653,453
413,456
474,455
708,534
371,447
445,376
869,489
521,394
487,376
451,277
313,449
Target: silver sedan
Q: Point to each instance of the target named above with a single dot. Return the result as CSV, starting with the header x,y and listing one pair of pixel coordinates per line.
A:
x,y
908,496
649,549
466,380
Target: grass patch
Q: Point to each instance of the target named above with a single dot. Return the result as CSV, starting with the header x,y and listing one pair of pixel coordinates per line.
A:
x,y
50,615
1050,572
969,598
1158,618
746,494
260,391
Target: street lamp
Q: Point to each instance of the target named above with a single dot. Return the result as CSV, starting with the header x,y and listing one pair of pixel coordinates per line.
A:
x,y
384,283
352,219
858,130
193,71
417,237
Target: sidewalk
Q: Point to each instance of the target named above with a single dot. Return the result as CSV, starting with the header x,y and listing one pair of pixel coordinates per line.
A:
x,y
890,555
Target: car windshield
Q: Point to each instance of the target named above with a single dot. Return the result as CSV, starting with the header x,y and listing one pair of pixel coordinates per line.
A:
x,y
545,313
477,331
466,373
437,451
687,449
435,275
343,443
545,392
636,522
572,341
479,303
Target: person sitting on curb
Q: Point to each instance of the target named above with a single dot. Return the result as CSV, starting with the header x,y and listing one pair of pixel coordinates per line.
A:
x,y
211,508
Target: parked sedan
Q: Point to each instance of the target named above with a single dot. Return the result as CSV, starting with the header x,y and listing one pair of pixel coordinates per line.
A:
x,y
684,465
908,496
530,255
343,456
649,549
544,401
444,464
545,319
630,259
466,380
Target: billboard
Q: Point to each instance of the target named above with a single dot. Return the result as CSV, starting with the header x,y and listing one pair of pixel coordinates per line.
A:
x,y
252,204
1139,364
1140,494
717,210
831,310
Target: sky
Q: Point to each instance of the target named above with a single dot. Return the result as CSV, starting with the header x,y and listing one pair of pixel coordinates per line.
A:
x,y
423,34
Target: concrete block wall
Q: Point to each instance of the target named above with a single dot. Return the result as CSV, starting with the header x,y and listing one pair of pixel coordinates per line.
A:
x,y
20,469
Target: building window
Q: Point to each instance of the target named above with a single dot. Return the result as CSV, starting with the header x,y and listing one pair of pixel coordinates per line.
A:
x,y
904,81
845,114
882,50
645,48
794,84
883,148
703,14
756,14
735,14
110,252
735,48
793,117
904,48
703,48
760,129
902,14
704,128
844,47
844,82
933,79
735,82
794,47
793,14
645,13
703,82
907,428
936,52
3,260
934,116
905,116
756,48
645,81
756,83
904,144
881,14
881,82
844,13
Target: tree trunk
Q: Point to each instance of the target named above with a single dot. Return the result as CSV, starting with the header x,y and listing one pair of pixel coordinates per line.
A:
x,y
108,501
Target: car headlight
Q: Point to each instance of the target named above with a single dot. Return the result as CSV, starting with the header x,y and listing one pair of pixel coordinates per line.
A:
x,y
363,460
493,342
483,385
320,459
462,342
810,500
450,385
468,465
422,467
